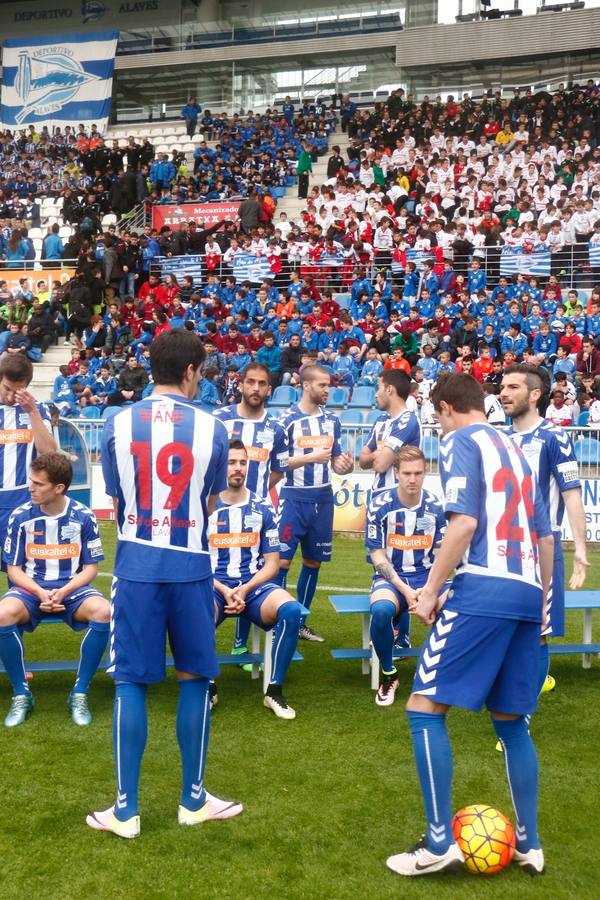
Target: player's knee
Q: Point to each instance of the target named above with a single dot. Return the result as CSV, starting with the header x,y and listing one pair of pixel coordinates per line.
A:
x,y
291,613
311,563
99,611
9,614
382,612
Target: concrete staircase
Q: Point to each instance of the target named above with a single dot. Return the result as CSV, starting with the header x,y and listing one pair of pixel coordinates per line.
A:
x,y
290,204
46,371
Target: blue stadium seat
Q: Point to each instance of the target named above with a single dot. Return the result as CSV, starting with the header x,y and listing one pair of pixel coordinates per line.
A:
x,y
283,396
362,396
431,447
338,396
351,417
91,412
372,416
110,411
583,418
587,451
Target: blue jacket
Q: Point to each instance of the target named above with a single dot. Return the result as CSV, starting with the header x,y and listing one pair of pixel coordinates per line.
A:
x,y
191,111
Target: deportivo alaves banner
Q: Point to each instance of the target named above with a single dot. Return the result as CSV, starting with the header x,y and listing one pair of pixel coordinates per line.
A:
x,y
27,17
57,80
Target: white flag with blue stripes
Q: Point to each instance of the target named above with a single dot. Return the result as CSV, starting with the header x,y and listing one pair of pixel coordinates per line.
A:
x,y
58,80
247,267
594,251
537,263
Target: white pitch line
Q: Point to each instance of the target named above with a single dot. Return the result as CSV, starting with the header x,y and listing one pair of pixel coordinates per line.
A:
x,y
339,588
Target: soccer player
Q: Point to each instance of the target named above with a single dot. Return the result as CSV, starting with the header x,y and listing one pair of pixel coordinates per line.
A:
x,y
52,549
306,504
164,463
396,427
404,530
550,454
25,431
244,549
483,646
266,446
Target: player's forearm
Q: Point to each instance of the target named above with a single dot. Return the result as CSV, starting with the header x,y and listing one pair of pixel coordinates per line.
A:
x,y
382,460
81,579
384,567
296,462
268,572
43,440
454,546
576,516
20,579
274,478
365,460
546,559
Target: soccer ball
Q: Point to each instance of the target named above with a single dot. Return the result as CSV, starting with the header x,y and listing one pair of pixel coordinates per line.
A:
x,y
486,838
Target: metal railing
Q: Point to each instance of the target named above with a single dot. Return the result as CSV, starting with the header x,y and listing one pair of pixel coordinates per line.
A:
x,y
586,440
573,266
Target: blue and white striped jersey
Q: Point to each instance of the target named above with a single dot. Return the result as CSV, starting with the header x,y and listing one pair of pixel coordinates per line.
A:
x,y
162,458
393,433
306,433
52,549
239,536
266,444
410,535
550,454
17,450
486,476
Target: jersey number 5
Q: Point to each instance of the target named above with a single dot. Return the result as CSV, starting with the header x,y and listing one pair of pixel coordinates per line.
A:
x,y
174,467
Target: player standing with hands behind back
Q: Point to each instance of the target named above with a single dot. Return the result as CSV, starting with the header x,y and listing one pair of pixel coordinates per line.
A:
x,y
483,647
164,463
306,502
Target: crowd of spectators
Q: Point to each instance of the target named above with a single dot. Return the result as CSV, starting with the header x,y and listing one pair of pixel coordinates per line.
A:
x,y
408,227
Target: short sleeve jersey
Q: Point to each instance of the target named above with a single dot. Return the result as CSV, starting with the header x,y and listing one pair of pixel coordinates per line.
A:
x,y
410,535
549,451
306,433
393,433
485,476
52,549
17,450
265,442
162,458
239,535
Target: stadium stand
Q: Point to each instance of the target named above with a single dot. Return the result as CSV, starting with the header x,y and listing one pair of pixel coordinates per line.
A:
x,y
457,225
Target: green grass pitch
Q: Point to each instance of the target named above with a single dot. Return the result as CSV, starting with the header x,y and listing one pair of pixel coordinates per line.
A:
x,y
327,797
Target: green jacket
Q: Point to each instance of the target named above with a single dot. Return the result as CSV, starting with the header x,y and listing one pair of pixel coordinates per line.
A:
x,y
409,342
304,163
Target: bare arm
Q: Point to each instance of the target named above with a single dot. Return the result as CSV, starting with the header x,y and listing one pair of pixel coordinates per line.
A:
x,y
365,460
576,515
43,440
267,573
383,459
274,478
454,546
343,464
383,567
81,579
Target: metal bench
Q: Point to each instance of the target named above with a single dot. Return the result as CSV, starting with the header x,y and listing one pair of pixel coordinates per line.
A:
x,y
359,604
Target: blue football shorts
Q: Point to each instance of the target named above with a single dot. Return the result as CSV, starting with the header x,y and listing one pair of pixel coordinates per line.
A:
x,y
469,661
254,601
556,595
144,615
306,523
71,603
415,580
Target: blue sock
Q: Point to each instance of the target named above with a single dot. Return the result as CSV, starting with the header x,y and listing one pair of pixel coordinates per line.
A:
x,y
403,627
92,650
307,585
382,633
522,772
130,730
193,727
433,756
281,577
285,640
543,666
12,655
242,632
